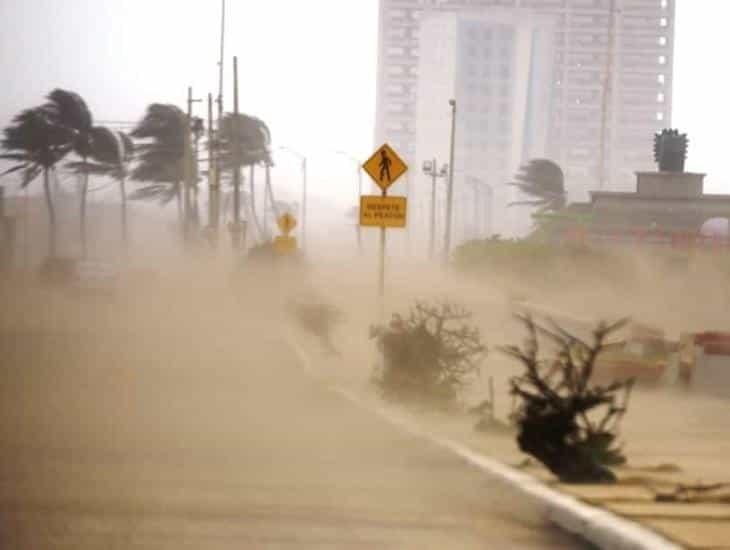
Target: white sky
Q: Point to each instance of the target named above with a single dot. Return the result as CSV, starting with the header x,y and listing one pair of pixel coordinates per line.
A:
x,y
307,67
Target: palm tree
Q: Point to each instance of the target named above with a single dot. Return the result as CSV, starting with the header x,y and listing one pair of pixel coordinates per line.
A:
x,y
245,141
37,144
162,155
543,181
111,155
68,110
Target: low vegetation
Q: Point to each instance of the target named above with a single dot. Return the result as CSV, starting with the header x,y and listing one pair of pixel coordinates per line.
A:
x,y
428,356
318,319
564,421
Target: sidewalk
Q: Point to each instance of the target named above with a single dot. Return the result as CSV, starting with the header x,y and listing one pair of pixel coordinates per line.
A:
x,y
678,446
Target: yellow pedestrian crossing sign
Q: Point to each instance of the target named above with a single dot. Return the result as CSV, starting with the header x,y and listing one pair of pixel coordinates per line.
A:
x,y
285,245
286,223
385,166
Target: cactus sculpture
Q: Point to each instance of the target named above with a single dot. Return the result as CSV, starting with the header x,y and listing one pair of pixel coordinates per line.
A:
x,y
670,150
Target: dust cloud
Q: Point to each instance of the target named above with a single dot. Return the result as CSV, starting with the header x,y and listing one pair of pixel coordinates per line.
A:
x,y
169,406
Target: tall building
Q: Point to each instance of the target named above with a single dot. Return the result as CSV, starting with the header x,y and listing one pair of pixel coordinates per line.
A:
x,y
611,84
498,68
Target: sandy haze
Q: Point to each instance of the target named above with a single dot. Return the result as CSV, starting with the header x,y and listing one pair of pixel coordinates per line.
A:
x,y
172,412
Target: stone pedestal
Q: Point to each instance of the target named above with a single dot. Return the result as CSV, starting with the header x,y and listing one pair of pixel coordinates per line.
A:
x,y
669,185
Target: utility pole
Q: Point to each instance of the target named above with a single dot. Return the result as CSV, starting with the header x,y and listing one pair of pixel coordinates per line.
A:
x,y
607,94
219,100
236,229
450,193
430,168
190,165
213,180
432,229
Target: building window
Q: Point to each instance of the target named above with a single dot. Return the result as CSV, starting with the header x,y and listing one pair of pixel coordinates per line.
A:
x,y
663,22
660,98
662,59
660,79
660,116
662,40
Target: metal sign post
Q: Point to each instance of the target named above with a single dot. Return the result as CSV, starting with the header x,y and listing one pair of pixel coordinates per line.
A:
x,y
384,167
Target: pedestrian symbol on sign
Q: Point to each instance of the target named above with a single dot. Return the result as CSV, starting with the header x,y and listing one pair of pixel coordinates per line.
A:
x,y
385,167
385,163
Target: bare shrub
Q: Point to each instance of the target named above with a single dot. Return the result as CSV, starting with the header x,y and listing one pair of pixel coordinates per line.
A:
x,y
429,356
318,319
565,422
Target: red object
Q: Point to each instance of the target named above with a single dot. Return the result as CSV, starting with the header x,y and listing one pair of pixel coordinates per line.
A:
x,y
714,343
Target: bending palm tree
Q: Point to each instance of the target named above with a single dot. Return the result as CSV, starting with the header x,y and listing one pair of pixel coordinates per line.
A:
x,y
244,141
111,155
162,155
37,144
543,181
67,109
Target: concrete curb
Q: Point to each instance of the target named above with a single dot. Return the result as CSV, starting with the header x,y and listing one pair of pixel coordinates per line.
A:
x,y
599,527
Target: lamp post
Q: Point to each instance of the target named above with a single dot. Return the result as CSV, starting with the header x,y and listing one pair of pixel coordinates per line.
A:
x,y
303,159
450,194
430,168
477,185
358,164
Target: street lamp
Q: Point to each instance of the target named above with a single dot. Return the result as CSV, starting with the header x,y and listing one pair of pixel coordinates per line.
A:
x,y
358,164
304,190
430,168
450,194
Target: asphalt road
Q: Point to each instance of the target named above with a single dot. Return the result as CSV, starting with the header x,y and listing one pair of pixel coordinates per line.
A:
x,y
149,433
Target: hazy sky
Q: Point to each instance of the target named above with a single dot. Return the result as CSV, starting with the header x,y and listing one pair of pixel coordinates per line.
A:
x,y
307,67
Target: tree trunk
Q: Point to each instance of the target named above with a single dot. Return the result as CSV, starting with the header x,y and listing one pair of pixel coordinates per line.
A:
x,y
180,213
267,205
84,193
187,208
270,194
125,235
51,215
252,193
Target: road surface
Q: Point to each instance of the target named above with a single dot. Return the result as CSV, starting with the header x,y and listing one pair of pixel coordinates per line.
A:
x,y
172,425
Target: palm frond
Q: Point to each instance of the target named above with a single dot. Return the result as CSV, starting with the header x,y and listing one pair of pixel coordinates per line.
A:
x,y
16,168
69,109
543,182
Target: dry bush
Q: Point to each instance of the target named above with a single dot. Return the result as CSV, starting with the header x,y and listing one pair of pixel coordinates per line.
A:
x,y
429,356
318,319
564,421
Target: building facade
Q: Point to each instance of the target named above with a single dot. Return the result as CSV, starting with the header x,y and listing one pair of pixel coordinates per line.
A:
x,y
498,68
610,84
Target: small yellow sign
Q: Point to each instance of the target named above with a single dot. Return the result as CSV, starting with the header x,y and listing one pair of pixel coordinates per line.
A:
x,y
285,245
385,166
378,211
286,223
